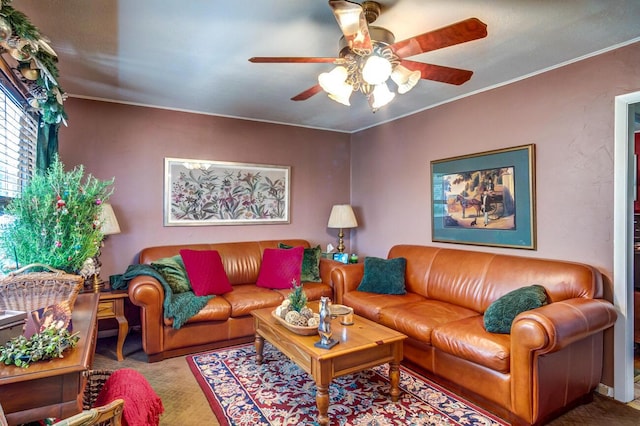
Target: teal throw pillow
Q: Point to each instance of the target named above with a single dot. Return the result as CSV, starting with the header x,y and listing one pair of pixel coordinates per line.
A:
x,y
173,270
383,276
501,313
310,263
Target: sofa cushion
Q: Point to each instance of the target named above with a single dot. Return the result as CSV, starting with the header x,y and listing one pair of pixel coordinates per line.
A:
x,y
383,276
173,270
418,319
369,305
206,272
310,263
248,297
501,313
467,339
280,268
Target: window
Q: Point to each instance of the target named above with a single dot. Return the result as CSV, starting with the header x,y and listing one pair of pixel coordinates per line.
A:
x,y
18,139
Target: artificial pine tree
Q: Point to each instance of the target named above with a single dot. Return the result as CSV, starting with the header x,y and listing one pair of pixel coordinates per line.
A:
x,y
297,297
55,220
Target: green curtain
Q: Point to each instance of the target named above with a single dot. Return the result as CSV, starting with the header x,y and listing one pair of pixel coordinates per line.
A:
x,y
47,145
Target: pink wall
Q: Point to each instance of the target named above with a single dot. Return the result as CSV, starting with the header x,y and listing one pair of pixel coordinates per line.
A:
x,y
567,113
130,144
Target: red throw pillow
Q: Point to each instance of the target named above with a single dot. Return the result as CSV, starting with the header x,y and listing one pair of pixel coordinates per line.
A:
x,y
206,272
280,267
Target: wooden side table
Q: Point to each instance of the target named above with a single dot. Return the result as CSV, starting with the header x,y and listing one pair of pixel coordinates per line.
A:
x,y
111,305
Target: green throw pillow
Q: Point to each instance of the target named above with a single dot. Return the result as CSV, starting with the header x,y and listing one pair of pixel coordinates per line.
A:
x,y
310,263
501,313
172,269
384,276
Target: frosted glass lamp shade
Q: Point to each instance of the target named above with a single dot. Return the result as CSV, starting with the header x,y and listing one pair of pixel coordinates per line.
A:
x,y
376,70
380,96
334,84
405,78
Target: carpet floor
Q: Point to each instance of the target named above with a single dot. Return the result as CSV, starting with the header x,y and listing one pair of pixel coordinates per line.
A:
x,y
186,405
278,392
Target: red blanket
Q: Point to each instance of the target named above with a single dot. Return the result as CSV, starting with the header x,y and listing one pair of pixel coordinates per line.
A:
x,y
142,406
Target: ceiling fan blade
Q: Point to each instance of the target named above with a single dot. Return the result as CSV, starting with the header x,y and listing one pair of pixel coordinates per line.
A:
x,y
307,93
439,73
353,24
460,32
290,60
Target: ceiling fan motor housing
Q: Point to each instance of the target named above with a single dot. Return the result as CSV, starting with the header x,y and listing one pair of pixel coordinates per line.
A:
x,y
378,35
371,10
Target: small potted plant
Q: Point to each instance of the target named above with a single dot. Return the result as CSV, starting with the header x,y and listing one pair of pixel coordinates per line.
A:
x,y
55,221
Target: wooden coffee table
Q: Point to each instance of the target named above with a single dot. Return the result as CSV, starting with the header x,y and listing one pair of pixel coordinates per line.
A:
x,y
362,345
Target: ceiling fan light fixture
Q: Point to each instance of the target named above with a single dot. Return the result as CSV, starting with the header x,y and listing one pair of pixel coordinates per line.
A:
x,y
380,96
405,78
334,83
332,79
342,95
376,70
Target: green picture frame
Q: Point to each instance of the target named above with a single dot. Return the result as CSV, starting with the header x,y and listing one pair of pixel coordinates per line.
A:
x,y
487,198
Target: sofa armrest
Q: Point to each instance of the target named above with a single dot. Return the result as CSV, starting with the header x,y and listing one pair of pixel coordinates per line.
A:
x,y
556,325
326,266
563,331
148,293
346,278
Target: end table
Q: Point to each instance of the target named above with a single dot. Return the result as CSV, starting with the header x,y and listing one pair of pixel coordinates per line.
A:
x,y
111,305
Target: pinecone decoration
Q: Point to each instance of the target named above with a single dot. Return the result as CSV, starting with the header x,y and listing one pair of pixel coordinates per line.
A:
x,y
282,310
294,318
306,312
297,298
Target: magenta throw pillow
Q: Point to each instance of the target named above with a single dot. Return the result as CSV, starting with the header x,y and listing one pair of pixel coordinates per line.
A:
x,y
280,267
206,272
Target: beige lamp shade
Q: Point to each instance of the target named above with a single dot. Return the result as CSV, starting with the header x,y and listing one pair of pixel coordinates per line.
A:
x,y
108,220
342,216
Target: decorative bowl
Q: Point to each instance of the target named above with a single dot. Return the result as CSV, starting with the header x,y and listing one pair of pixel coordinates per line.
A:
x,y
303,331
338,310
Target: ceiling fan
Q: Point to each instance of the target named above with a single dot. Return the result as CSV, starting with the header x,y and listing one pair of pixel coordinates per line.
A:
x,y
369,56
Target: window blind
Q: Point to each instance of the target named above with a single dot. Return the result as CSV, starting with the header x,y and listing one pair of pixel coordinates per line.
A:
x,y
18,141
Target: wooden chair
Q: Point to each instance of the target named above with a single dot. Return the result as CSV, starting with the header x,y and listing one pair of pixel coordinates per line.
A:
x,y
110,414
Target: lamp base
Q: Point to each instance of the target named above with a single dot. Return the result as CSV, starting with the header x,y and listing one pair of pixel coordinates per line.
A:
x,y
97,283
341,241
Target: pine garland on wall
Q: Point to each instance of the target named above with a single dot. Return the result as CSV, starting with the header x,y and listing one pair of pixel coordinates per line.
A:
x,y
34,63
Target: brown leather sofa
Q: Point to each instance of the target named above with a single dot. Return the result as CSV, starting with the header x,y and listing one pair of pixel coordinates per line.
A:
x,y
226,319
550,362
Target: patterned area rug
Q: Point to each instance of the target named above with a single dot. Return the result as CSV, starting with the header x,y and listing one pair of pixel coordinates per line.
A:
x,y
278,392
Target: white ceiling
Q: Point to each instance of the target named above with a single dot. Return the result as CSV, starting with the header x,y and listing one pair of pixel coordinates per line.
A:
x,y
193,55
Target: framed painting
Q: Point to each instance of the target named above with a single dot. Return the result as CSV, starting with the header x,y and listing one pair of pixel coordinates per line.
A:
x,y
200,192
486,198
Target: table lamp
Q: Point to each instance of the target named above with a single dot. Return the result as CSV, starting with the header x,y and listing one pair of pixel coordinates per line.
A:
x,y
341,217
109,226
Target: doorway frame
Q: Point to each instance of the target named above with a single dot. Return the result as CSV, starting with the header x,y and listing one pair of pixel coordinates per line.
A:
x,y
623,186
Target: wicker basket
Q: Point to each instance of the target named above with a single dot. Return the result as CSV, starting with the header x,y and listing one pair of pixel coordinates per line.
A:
x,y
95,381
28,291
